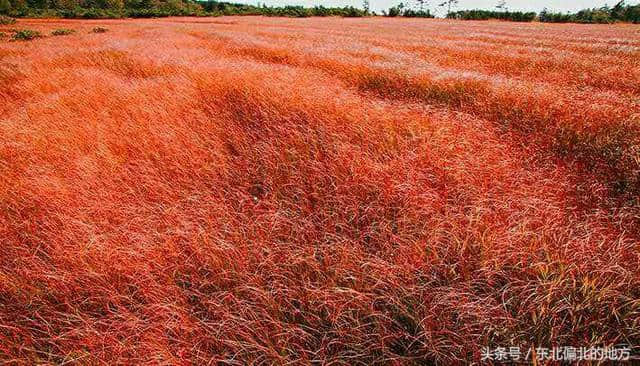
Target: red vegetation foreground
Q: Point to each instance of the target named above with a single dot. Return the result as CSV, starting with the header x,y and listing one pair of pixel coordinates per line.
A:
x,y
353,191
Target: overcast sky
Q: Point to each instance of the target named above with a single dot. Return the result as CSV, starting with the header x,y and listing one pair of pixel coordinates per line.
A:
x,y
378,5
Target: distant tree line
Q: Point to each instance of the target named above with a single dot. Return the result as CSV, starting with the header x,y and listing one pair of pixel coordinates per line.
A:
x,y
159,8
98,8
225,8
515,16
621,12
402,10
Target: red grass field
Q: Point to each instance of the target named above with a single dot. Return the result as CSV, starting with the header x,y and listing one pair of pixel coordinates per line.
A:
x,y
338,191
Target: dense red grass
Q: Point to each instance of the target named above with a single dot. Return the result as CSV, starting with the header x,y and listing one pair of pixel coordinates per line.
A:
x,y
351,191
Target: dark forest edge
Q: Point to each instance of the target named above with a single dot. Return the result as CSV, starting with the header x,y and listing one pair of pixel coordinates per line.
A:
x,y
105,9
101,9
621,12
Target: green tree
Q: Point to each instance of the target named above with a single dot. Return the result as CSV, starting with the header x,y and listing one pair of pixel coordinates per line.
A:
x,y
5,6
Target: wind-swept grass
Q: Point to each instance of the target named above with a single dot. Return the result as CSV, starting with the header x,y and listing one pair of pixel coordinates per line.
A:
x,y
184,192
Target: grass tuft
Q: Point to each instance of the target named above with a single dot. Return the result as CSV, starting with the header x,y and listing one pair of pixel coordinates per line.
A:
x,y
5,20
99,30
62,32
25,35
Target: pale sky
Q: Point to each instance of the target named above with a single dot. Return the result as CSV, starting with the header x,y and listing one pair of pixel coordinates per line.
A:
x,y
524,5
